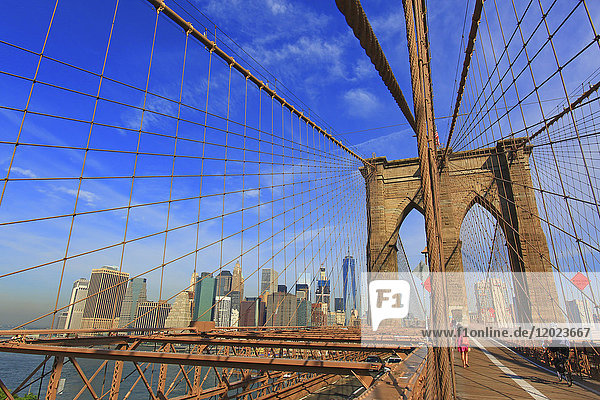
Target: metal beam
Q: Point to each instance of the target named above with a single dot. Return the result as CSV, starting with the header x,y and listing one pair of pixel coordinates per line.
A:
x,y
257,363
7,392
55,377
148,387
216,341
31,374
83,377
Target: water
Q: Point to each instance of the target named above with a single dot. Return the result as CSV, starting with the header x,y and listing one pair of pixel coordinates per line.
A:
x,y
15,367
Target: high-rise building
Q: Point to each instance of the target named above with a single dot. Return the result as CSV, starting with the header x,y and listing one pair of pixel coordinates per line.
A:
x,y
235,317
317,316
303,291
323,291
61,320
331,318
268,282
248,313
338,304
151,314
134,295
237,281
579,311
252,312
222,311
303,312
77,304
349,285
193,281
105,297
235,300
204,297
339,311
181,310
281,309
224,279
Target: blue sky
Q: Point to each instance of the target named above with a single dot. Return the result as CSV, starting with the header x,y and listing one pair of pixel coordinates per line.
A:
x,y
319,67
306,46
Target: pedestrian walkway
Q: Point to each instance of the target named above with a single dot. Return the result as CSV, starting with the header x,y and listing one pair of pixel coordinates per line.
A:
x,y
500,373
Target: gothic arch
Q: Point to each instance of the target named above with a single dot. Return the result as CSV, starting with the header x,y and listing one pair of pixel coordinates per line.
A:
x,y
497,178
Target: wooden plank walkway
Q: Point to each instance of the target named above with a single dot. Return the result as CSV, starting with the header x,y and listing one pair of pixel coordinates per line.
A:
x,y
499,373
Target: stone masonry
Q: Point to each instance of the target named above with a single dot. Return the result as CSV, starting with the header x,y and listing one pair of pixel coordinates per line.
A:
x,y
497,178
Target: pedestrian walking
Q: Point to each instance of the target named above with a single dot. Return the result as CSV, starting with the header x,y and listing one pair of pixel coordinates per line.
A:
x,y
462,343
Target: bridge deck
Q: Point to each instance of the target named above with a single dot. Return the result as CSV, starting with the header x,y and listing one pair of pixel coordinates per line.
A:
x,y
499,373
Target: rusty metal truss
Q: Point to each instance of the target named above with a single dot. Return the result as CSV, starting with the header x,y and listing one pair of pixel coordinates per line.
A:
x,y
254,363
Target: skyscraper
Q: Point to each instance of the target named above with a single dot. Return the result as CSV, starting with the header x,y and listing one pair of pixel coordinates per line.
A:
x,y
281,309
235,300
303,316
268,282
579,311
193,281
105,297
252,312
61,320
317,316
222,311
134,295
237,282
204,297
323,292
181,311
248,313
224,279
151,314
77,304
303,291
349,278
338,304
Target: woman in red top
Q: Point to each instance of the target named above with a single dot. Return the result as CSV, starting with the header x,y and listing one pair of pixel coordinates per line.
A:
x,y
462,343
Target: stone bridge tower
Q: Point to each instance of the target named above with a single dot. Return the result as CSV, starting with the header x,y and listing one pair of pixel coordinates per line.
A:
x,y
497,178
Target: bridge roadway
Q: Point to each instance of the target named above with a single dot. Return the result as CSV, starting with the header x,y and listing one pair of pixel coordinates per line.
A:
x,y
500,373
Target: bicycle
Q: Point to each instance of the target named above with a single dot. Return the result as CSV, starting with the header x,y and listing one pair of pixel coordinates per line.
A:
x,y
562,365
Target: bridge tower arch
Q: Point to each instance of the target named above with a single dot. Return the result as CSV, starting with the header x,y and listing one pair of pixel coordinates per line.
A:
x,y
498,178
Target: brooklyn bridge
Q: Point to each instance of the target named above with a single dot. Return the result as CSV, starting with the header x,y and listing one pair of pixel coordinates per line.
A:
x,y
257,200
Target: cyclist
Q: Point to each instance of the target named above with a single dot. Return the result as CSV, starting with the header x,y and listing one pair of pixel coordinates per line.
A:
x,y
560,350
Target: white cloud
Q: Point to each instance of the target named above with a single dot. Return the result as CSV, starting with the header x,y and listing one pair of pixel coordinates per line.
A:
x,y
83,194
252,193
303,51
24,172
388,25
278,6
395,145
360,102
363,68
